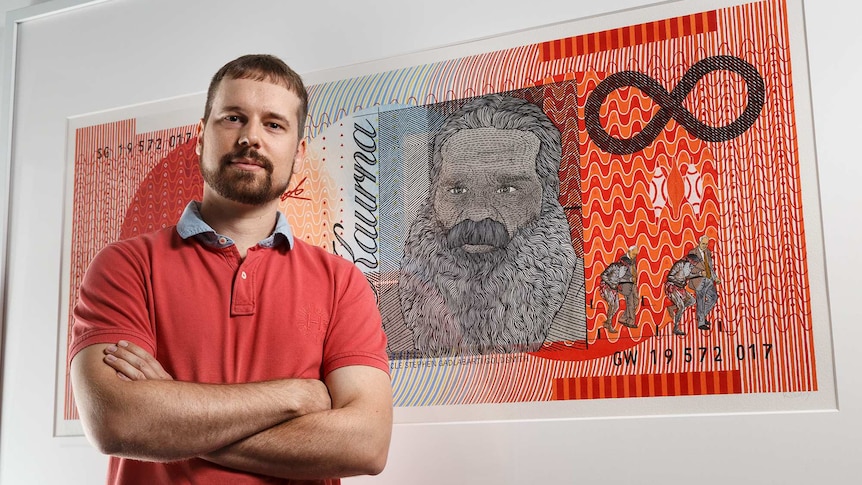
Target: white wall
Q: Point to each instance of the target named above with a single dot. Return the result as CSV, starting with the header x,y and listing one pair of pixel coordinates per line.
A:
x,y
7,7
163,48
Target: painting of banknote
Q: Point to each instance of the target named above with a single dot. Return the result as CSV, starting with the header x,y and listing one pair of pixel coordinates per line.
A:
x,y
664,252
608,215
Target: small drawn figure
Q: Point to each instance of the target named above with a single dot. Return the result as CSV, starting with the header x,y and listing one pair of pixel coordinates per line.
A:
x,y
675,289
620,277
703,281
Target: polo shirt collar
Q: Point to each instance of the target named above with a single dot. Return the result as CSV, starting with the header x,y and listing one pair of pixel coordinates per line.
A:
x,y
192,224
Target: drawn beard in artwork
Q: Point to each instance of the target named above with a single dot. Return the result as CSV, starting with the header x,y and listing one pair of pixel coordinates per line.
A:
x,y
488,261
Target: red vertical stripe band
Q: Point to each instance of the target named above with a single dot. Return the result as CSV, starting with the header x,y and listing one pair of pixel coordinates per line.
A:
x,y
629,36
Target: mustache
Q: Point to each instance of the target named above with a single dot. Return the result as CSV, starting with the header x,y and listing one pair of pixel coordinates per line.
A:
x,y
249,153
486,232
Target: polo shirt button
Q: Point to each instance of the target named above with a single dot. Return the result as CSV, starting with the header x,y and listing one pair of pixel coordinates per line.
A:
x,y
243,275
222,240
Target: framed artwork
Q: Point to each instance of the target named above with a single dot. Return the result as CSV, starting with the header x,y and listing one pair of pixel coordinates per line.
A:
x,y
127,174
559,226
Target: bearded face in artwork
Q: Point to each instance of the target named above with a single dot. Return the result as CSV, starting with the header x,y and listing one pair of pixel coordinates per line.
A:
x,y
487,188
488,261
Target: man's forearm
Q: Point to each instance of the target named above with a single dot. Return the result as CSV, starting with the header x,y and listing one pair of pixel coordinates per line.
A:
x,y
338,429
337,443
170,420
165,420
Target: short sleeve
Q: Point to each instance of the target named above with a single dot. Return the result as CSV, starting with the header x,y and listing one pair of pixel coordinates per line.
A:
x,y
112,301
355,335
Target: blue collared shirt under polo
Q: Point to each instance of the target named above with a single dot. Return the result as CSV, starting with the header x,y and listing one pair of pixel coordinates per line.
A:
x,y
192,224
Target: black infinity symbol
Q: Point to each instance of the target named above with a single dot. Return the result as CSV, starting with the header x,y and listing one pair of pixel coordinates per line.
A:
x,y
671,105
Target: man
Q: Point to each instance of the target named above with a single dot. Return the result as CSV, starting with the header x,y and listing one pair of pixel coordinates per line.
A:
x,y
620,277
704,282
223,350
489,264
675,289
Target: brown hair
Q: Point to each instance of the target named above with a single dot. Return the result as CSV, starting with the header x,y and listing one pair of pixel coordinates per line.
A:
x,y
262,67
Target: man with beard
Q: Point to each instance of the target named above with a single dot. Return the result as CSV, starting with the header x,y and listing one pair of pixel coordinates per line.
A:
x,y
222,349
488,264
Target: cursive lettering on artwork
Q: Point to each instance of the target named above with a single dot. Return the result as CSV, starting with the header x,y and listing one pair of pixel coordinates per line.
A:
x,y
363,246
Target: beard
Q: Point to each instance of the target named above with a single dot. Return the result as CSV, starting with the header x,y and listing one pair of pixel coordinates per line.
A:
x,y
243,186
500,301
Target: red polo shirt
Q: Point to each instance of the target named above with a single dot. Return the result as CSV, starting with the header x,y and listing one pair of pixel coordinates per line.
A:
x,y
287,311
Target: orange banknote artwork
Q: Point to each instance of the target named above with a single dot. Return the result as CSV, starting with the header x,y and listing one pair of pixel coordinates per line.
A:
x,y
679,176
618,213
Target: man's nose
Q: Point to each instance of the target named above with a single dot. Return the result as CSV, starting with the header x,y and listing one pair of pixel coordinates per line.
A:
x,y
478,207
250,136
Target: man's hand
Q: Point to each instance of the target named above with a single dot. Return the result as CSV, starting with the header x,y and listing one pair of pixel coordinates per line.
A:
x,y
357,422
133,363
351,439
131,407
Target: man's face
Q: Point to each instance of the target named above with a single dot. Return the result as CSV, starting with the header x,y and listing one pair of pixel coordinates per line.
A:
x,y
249,146
704,243
490,174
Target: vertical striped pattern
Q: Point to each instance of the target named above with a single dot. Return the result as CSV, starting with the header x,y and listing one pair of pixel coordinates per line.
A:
x,y
628,36
762,212
649,385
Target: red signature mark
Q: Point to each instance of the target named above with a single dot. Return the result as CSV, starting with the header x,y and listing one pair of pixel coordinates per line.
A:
x,y
296,192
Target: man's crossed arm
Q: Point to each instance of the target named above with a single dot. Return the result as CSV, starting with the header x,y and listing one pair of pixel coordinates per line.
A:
x,y
292,428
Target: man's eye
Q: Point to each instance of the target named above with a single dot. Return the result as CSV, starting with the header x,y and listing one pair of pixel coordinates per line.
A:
x,y
232,118
458,190
274,126
508,189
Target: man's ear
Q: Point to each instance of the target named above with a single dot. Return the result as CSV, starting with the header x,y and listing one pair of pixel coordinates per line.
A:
x,y
299,158
200,134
